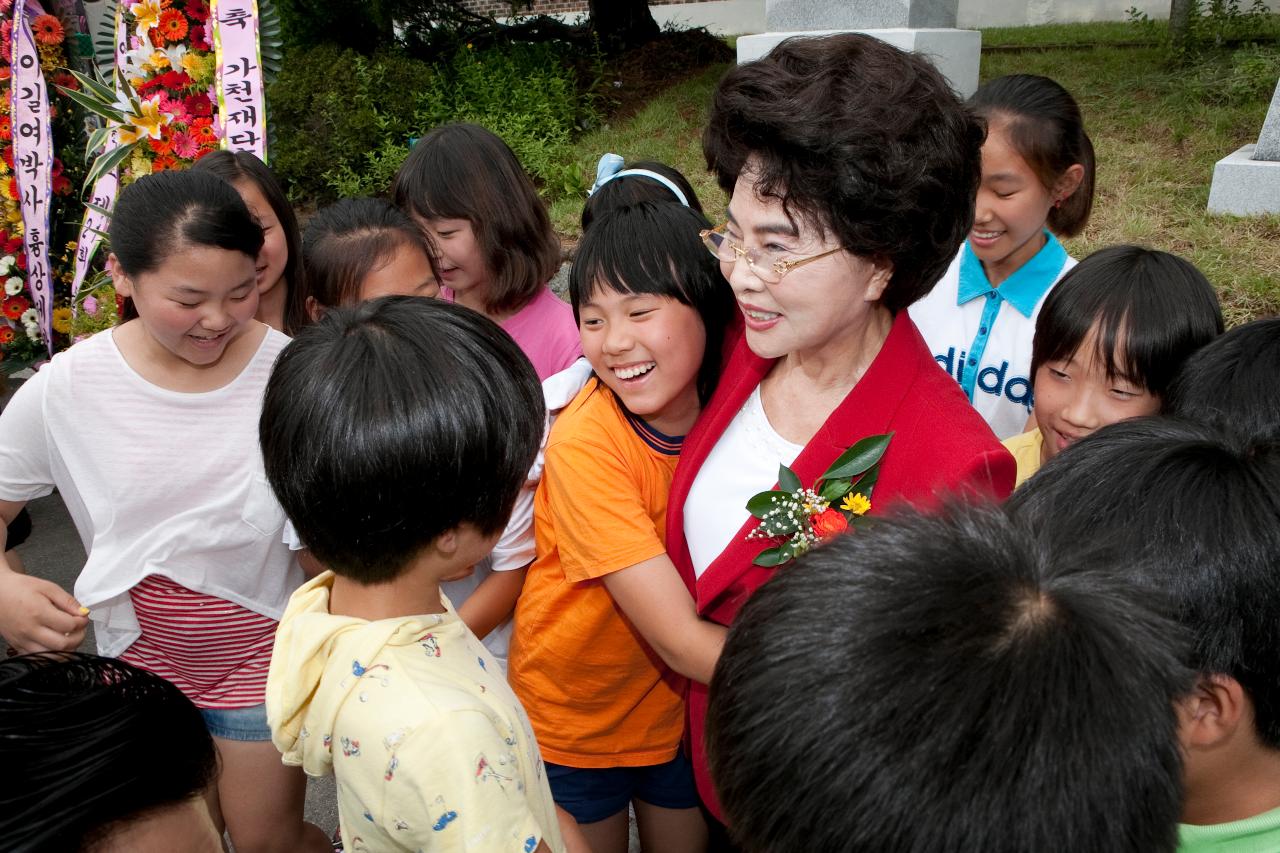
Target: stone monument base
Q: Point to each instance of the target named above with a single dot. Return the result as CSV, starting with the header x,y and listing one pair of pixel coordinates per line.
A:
x,y
956,53
1245,187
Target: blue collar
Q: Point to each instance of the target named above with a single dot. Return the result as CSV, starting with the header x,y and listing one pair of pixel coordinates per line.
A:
x,y
1024,288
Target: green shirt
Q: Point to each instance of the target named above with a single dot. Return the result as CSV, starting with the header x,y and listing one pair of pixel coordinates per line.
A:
x,y
1257,834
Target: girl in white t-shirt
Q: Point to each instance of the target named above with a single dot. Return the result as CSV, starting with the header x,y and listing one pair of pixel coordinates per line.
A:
x,y
1037,181
149,432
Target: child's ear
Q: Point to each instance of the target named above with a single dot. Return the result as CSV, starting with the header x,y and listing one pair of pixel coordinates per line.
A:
x,y
1212,712
881,273
122,283
1068,183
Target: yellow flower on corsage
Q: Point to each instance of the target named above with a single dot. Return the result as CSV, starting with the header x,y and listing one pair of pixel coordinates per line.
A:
x,y
856,504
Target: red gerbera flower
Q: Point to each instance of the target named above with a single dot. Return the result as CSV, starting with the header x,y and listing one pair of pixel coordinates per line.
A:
x,y
198,10
155,37
6,334
13,188
6,72
47,29
198,105
163,162
175,79
204,134
160,146
198,39
61,184
8,155
173,24
12,245
14,306
6,131
20,260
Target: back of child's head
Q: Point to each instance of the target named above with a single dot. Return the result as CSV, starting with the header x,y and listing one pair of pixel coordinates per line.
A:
x,y
166,212
1191,512
462,171
392,422
643,180
1231,382
348,239
90,746
244,167
1044,125
946,683
1149,311
655,247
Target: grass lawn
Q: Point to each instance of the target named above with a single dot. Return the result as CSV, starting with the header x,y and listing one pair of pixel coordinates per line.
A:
x,y
1157,132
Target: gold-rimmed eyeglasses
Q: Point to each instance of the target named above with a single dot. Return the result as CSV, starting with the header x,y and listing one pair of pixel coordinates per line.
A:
x,y
767,267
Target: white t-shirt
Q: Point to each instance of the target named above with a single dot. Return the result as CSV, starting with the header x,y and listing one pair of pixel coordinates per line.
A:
x,y
742,464
984,343
156,481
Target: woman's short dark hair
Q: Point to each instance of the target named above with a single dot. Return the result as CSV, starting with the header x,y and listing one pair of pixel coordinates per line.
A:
x,y
462,171
1045,127
654,247
348,239
633,189
1152,310
236,166
859,138
389,423
164,212
1231,382
88,743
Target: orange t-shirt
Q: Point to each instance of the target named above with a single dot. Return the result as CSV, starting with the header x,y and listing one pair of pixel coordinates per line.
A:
x,y
597,695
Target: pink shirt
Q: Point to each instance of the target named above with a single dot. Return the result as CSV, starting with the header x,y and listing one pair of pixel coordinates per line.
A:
x,y
545,330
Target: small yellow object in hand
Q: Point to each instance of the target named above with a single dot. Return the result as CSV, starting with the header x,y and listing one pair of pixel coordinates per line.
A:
x,y
84,611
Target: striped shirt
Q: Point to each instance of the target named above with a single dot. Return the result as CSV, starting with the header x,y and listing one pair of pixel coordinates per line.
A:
x,y
215,652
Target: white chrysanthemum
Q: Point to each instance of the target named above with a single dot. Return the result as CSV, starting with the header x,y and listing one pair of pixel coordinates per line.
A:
x,y
30,317
12,286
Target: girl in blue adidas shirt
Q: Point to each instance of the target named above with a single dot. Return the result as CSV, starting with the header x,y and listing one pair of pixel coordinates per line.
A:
x,y
1037,181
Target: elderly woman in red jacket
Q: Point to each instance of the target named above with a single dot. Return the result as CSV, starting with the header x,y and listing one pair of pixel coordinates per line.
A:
x,y
852,168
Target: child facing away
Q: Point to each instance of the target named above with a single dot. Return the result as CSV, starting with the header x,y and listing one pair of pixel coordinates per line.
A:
x,y
1190,513
948,683
605,627
1037,182
280,268
149,433
643,180
495,247
101,757
1109,340
359,249
397,435
1230,382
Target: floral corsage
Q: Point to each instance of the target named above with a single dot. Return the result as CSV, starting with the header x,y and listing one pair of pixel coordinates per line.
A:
x,y
798,518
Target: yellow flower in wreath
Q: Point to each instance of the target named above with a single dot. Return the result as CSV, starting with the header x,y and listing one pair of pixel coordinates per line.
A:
x,y
62,320
857,503
146,16
148,123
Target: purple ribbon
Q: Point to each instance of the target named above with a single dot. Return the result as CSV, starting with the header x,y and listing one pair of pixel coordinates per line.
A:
x,y
241,107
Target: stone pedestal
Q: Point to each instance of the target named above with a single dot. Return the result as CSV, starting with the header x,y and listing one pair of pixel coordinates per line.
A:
x,y
921,26
1247,182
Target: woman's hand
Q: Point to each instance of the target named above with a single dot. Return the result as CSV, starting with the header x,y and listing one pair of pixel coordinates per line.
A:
x,y
38,615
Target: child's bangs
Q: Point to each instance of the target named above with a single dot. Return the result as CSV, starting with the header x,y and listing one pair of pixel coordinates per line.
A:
x,y
1108,321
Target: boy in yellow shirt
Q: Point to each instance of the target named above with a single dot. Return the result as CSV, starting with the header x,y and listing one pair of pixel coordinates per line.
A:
x,y
397,435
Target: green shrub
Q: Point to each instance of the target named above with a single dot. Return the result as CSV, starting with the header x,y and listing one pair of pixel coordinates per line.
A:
x,y
346,134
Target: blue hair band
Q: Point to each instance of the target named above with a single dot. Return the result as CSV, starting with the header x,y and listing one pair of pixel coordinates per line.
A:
x,y
610,167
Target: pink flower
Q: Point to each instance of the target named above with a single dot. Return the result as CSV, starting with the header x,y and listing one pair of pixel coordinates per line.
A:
x,y
5,6
184,144
174,107
90,305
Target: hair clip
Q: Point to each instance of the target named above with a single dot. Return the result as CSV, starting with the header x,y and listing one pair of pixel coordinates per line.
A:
x,y
610,167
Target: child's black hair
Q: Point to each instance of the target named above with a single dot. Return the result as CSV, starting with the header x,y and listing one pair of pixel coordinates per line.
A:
x,y
347,240
389,423
1193,513
1151,310
624,189
161,213
1044,124
463,171
1234,382
654,247
946,683
237,166
90,743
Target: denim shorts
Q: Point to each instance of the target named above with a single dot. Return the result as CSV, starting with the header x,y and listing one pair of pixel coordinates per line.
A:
x,y
595,793
247,724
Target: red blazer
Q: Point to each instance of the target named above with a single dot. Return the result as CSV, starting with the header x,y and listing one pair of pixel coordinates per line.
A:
x,y
940,446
